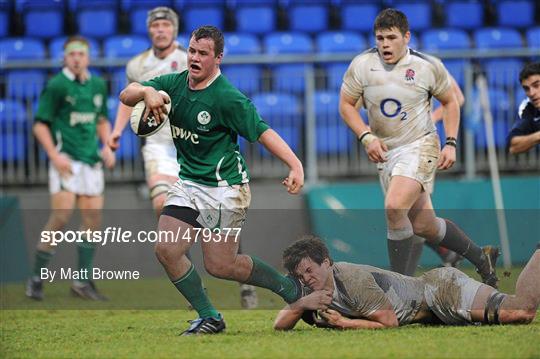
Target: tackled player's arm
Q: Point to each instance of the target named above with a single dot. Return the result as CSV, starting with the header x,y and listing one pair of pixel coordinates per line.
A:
x,y
273,142
288,317
385,317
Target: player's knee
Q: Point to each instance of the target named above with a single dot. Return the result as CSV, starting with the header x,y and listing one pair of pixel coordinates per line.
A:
x,y
218,268
60,219
394,211
423,229
164,253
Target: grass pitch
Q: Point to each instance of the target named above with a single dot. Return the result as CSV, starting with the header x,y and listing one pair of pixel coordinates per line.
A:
x,y
143,319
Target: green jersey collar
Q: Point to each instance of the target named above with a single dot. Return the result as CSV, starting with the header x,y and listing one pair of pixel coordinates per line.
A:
x,y
70,75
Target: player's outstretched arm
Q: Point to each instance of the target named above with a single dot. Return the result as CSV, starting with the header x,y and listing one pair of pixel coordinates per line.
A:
x,y
279,148
520,144
122,118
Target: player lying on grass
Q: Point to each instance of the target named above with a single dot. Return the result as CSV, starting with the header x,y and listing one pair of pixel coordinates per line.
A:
x,y
353,296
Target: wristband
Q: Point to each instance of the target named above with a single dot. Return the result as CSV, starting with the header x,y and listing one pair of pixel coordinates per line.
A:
x,y
367,138
362,135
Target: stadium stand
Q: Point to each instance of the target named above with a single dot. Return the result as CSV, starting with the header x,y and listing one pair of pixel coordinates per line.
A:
x,y
241,44
333,136
198,16
124,46
517,14
497,38
25,84
105,27
308,18
44,23
533,37
331,42
418,14
255,19
467,15
445,39
247,78
358,17
21,48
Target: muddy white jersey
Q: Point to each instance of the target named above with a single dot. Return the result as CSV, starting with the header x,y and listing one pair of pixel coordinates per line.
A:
x,y
146,66
397,97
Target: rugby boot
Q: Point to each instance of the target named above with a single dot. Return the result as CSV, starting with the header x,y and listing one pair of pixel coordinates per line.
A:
x,y
487,272
205,326
87,290
34,288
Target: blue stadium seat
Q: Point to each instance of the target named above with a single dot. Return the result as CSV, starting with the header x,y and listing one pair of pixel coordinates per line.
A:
x,y
118,81
127,5
21,6
282,112
256,19
289,78
358,17
98,23
533,37
497,38
198,16
21,48
502,118
333,136
246,78
308,18
445,39
13,131
183,40
287,43
457,70
25,84
137,19
503,73
334,73
56,48
4,23
182,4
418,14
44,23
237,43
12,112
514,13
125,46
467,15
78,5
340,41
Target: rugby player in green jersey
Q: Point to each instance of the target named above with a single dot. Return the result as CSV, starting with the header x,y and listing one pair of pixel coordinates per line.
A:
x,y
212,192
71,117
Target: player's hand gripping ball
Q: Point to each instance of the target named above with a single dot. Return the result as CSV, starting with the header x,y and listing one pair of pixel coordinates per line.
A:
x,y
147,128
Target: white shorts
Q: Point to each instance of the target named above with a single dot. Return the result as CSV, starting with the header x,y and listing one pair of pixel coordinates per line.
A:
x,y
417,160
86,180
160,159
450,294
218,207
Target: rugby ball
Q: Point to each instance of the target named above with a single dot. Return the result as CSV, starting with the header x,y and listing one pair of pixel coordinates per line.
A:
x,y
150,126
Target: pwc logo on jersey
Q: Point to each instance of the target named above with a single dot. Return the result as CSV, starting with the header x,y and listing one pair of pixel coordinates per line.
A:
x,y
183,134
409,75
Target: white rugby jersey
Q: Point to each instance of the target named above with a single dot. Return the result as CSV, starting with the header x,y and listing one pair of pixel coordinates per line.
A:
x,y
397,97
146,66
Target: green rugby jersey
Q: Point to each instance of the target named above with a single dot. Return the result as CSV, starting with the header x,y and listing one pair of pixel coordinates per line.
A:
x,y
205,125
72,109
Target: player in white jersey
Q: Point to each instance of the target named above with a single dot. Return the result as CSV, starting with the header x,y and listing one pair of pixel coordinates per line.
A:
x,y
355,296
395,84
159,153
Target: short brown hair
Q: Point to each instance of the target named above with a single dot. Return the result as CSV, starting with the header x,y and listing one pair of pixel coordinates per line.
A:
x,y
389,18
210,32
308,246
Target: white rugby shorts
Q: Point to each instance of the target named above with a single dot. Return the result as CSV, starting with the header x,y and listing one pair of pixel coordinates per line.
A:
x,y
417,160
85,179
219,207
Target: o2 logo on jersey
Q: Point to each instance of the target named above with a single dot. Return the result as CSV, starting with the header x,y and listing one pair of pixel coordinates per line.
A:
x,y
390,107
204,118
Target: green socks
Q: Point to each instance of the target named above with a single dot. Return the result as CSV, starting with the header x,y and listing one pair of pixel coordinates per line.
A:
x,y
265,276
41,260
190,285
86,258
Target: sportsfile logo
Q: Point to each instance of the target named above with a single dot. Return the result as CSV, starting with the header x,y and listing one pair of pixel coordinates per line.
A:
x,y
119,235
